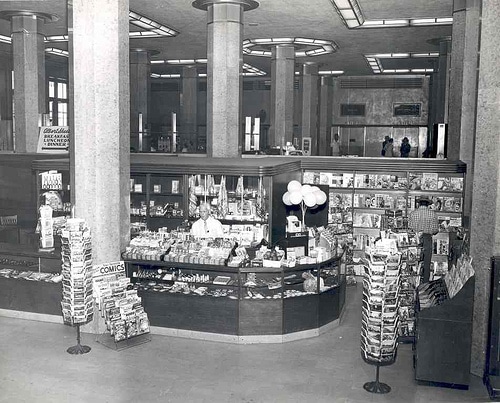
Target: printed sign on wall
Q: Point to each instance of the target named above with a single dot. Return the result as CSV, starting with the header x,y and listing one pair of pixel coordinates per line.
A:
x,y
53,139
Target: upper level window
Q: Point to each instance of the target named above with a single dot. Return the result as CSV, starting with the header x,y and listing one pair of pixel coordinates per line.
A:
x,y
58,101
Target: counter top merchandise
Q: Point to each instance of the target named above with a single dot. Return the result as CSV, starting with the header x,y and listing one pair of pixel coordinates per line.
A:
x,y
181,247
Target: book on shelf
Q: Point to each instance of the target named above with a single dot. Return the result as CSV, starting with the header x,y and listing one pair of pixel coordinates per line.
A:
x,y
441,244
429,181
325,178
439,269
341,200
347,180
414,181
366,220
452,204
450,183
336,180
458,275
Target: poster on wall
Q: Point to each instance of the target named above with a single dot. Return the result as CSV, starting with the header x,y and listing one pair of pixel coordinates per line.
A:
x,y
53,139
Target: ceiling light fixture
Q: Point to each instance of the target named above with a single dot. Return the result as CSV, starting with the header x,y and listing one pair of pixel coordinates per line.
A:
x,y
56,38
431,21
349,12
263,46
5,39
352,17
248,69
330,72
151,26
57,52
426,54
376,65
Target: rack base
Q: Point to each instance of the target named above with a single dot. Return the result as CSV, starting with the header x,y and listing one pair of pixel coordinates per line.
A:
x,y
376,387
78,349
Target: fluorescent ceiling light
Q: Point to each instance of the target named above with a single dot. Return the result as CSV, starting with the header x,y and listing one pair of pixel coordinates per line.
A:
x,y
376,66
155,75
153,26
57,52
349,11
315,46
56,38
152,29
427,54
5,39
431,21
331,72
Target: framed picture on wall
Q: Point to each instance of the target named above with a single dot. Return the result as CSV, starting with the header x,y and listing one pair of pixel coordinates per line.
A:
x,y
407,109
352,109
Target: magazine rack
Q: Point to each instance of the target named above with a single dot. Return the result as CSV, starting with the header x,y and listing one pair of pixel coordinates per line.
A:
x,y
106,339
380,320
78,348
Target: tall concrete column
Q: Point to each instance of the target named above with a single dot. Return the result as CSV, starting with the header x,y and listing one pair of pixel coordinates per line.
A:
x,y
325,115
100,122
224,80
310,84
485,217
189,107
282,88
6,134
28,51
463,89
140,91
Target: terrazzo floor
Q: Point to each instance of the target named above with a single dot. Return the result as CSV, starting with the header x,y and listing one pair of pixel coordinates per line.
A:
x,y
35,367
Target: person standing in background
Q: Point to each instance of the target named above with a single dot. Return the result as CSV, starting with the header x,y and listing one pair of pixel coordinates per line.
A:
x,y
405,147
384,143
335,145
424,221
389,148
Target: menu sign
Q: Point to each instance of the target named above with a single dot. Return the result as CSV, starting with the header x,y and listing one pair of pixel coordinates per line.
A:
x,y
53,139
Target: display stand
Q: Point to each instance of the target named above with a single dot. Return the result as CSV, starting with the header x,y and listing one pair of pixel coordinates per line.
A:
x,y
380,320
107,340
376,386
78,348
120,306
76,254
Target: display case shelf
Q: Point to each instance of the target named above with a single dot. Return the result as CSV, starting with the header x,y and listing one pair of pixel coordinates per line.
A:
x,y
239,308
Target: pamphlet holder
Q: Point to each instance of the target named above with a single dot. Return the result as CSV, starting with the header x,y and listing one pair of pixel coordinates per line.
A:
x,y
78,349
109,341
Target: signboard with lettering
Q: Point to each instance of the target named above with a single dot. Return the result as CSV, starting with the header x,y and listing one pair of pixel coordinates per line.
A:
x,y
407,109
53,139
352,110
113,269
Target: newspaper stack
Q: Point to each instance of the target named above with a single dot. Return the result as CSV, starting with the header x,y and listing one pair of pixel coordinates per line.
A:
x,y
380,319
76,253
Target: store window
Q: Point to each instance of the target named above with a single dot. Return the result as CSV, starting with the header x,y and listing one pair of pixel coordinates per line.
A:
x,y
58,101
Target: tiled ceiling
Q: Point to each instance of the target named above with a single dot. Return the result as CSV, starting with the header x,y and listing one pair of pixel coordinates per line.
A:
x,y
276,18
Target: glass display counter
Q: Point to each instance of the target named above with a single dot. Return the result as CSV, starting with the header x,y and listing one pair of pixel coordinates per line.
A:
x,y
242,304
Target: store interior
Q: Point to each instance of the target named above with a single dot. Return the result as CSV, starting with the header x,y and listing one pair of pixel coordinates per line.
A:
x,y
310,135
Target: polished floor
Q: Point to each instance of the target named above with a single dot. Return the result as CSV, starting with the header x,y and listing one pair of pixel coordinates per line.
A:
x,y
35,367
